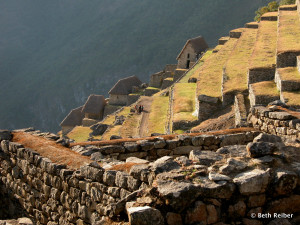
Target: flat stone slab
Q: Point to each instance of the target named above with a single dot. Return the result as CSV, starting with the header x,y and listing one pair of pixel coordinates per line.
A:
x,y
234,150
252,182
144,216
206,158
136,160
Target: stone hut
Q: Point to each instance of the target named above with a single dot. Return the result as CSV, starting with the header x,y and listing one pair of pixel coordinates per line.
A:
x,y
118,95
73,119
93,109
191,51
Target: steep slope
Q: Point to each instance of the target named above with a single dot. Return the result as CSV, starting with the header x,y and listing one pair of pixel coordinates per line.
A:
x,y
55,53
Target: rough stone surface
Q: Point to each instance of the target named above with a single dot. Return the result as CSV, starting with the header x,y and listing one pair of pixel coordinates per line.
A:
x,y
136,160
252,182
144,216
285,182
205,157
233,150
165,164
260,149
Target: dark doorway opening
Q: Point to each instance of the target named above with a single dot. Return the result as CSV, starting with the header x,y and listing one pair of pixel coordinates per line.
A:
x,y
188,64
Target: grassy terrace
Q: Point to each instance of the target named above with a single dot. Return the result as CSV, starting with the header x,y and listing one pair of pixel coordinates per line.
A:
x,y
237,64
158,115
289,73
292,98
264,53
115,130
210,78
194,72
80,133
184,101
265,88
289,32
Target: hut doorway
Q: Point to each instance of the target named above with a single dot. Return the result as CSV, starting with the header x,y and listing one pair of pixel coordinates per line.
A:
x,y
188,64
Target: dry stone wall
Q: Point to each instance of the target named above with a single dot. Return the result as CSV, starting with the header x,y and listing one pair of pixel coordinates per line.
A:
x,y
275,122
196,179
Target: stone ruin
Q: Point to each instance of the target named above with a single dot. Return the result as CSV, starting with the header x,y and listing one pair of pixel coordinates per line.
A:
x,y
234,177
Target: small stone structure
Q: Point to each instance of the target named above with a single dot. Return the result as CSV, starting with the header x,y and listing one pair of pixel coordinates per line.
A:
x,y
93,109
118,94
190,52
73,119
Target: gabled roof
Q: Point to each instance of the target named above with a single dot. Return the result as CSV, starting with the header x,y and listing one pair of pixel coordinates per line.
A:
x,y
94,104
198,44
74,118
124,86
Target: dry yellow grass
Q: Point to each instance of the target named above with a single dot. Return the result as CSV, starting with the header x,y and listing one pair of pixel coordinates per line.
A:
x,y
158,115
264,53
210,76
289,73
217,48
237,64
265,88
49,149
184,101
292,98
194,72
289,32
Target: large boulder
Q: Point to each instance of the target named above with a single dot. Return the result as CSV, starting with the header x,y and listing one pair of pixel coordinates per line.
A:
x,y
260,149
233,150
144,216
165,164
99,129
178,194
285,182
252,182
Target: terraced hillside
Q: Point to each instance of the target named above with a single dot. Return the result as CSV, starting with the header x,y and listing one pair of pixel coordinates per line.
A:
x,y
254,65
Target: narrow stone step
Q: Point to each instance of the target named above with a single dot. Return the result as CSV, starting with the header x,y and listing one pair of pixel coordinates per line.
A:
x,y
253,25
263,93
288,8
236,33
291,98
288,44
223,40
236,67
262,63
270,16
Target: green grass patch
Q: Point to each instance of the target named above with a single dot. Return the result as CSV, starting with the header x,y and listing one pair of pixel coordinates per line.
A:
x,y
264,53
80,134
237,64
158,115
289,31
210,78
194,72
265,88
289,73
184,101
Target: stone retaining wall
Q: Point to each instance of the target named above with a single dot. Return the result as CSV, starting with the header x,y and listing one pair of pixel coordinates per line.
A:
x,y
286,59
272,122
260,99
260,74
53,194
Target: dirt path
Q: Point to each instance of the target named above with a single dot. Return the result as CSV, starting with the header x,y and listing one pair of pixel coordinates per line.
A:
x,y
146,102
